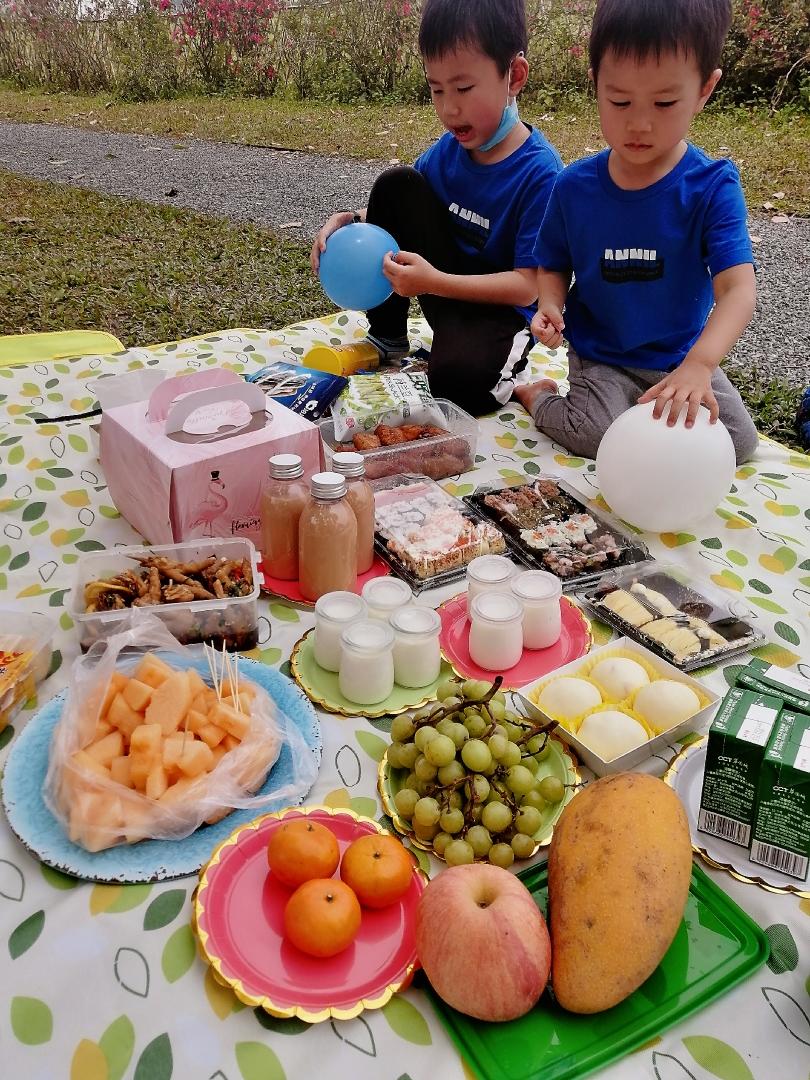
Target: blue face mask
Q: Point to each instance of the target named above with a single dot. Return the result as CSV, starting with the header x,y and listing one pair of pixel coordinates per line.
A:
x,y
509,118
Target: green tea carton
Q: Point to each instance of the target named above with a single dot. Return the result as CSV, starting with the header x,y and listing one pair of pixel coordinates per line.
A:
x,y
737,740
781,837
767,678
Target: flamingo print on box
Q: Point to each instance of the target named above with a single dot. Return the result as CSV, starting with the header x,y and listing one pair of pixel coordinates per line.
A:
x,y
213,505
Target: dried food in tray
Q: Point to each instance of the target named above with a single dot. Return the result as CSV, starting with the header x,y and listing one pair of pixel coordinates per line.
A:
x,y
25,656
428,536
550,527
658,607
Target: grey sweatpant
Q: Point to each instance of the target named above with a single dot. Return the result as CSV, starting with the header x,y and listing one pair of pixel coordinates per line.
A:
x,y
598,393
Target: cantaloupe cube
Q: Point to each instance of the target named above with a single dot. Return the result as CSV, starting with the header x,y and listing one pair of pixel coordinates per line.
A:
x,y
156,782
109,747
199,703
209,733
230,742
196,758
196,682
123,716
96,820
102,729
120,771
137,694
245,703
139,820
177,792
117,683
89,764
173,747
219,753
152,671
170,703
224,716
145,751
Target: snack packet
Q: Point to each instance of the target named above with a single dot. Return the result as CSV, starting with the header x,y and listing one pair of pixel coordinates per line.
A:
x,y
303,390
390,398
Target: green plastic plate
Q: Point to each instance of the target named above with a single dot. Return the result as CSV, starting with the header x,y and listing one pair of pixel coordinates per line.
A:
x,y
716,947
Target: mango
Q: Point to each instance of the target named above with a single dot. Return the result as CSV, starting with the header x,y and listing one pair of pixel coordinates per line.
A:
x,y
619,869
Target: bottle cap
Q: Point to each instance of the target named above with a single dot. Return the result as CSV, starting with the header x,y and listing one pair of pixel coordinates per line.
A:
x,y
285,467
328,485
349,463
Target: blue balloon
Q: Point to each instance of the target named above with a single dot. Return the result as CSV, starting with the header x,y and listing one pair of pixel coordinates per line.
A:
x,y
351,267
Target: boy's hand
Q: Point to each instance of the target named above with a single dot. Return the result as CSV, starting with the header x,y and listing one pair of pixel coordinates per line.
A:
x,y
548,325
409,273
335,222
690,383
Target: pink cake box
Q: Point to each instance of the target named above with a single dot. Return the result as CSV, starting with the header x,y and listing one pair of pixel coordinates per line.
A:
x,y
190,462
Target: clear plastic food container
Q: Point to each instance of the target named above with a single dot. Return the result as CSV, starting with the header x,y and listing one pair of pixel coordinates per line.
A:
x,y
690,625
427,536
437,457
550,526
25,657
230,619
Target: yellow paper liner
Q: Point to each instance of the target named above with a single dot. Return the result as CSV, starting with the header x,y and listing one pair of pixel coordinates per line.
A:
x,y
287,1012
670,778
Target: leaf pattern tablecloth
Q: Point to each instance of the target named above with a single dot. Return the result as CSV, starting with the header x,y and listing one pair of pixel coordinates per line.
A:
x,y
102,982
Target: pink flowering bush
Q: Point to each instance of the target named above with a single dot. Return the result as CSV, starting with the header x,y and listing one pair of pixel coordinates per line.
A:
x,y
768,52
230,43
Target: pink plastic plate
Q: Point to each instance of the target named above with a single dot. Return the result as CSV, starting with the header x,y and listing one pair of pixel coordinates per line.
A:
x,y
575,640
289,590
239,919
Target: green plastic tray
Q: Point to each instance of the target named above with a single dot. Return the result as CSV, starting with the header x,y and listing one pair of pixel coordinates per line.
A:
x,y
716,947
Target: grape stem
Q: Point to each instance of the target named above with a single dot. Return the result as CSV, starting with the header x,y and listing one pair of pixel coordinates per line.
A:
x,y
441,713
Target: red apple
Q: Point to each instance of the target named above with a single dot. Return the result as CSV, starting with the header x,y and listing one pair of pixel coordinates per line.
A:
x,y
482,942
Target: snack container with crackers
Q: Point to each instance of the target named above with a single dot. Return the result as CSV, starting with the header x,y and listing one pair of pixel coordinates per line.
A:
x,y
25,656
438,451
203,590
427,536
619,705
687,624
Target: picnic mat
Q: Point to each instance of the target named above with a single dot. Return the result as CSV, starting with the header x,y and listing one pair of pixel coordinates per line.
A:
x,y
103,981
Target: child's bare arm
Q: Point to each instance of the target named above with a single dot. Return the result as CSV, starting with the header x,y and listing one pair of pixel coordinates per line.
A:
x,y
690,382
412,275
548,323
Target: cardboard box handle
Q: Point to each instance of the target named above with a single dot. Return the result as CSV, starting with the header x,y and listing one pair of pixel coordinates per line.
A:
x,y
252,395
161,398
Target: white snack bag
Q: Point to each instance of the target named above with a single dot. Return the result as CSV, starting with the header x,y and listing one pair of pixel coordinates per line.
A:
x,y
392,398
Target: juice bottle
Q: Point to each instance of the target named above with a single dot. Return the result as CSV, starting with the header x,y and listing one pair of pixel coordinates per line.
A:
x,y
327,539
361,499
283,498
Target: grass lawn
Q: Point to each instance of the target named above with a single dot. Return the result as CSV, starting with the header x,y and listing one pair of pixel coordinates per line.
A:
x,y
74,259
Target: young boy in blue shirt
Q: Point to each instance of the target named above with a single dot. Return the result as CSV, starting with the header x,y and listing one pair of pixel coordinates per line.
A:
x,y
653,232
466,216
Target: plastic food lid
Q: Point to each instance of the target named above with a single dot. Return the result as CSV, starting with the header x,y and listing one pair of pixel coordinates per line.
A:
x,y
328,485
349,463
416,620
340,606
490,569
387,593
497,607
369,636
536,585
286,467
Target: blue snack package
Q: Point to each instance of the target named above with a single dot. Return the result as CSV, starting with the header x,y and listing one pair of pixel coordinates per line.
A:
x,y
303,390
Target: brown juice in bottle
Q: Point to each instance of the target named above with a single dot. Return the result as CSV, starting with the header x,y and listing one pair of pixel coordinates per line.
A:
x,y
361,499
283,498
327,539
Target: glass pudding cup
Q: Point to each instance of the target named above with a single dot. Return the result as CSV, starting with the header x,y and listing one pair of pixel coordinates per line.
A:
x,y
334,611
496,631
384,596
539,594
417,656
366,662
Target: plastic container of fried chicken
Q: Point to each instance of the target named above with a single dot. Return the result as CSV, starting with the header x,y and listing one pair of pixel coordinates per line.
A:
x,y
436,451
203,590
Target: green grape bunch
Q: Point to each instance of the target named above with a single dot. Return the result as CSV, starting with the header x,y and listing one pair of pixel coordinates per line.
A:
x,y
471,789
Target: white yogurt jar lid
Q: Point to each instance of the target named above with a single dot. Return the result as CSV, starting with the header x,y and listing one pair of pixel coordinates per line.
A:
x,y
536,585
497,607
368,637
340,606
415,620
386,593
490,570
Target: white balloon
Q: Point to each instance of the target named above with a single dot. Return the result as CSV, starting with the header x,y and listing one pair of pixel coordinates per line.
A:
x,y
661,478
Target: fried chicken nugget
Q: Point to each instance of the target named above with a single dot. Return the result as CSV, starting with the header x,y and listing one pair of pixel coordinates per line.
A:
x,y
365,441
389,436
412,431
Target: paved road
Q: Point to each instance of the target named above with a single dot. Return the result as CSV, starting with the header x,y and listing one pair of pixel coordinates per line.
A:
x,y
294,192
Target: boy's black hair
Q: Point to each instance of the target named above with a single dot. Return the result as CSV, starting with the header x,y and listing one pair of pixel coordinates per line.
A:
x,y
642,28
496,27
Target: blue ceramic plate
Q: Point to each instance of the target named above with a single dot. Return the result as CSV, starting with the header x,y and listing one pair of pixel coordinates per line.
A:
x,y
151,860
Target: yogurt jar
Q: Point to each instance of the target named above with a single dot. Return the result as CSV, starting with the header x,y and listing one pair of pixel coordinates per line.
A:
x,y
366,662
539,594
488,573
384,596
417,656
334,611
496,632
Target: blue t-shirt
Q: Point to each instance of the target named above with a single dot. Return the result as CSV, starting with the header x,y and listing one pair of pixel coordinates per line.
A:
x,y
643,260
497,209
